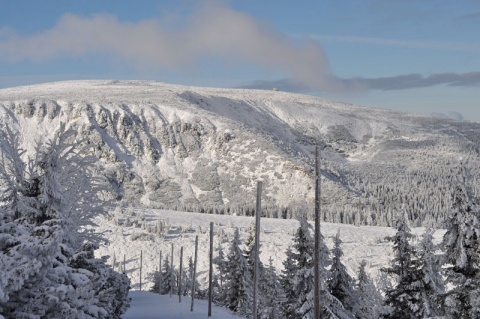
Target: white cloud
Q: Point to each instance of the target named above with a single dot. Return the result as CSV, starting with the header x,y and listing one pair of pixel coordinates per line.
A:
x,y
212,31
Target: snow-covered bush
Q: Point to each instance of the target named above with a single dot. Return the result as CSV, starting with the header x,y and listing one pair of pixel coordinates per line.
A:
x,y
47,266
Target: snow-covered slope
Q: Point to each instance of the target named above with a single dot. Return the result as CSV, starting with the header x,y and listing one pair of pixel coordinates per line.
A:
x,y
190,148
153,231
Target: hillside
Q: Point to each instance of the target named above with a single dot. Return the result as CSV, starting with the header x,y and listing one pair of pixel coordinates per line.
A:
x,y
202,149
153,231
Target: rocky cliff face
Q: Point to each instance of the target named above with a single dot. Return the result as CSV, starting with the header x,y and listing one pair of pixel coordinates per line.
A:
x,y
169,146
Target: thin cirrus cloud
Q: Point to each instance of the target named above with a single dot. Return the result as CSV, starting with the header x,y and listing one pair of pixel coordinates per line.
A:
x,y
410,81
212,31
399,82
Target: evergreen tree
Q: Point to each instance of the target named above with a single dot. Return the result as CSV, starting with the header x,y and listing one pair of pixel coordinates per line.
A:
x,y
341,284
287,281
301,294
220,261
47,265
272,296
157,278
462,257
169,278
369,302
430,266
238,282
250,254
405,299
189,280
304,277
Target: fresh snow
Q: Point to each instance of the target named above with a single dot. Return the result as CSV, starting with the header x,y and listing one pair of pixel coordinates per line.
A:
x,y
359,242
147,305
187,148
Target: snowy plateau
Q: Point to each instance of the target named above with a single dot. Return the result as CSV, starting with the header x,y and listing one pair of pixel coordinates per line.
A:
x,y
203,149
177,158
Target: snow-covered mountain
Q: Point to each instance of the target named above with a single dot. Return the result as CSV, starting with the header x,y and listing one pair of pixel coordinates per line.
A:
x,y
190,148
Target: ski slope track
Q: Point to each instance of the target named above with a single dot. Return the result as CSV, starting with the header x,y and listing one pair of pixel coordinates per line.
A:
x,y
193,149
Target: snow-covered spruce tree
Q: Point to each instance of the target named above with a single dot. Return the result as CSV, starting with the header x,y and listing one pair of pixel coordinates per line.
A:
x,y
301,294
272,296
369,302
266,297
287,281
169,279
109,289
249,254
461,245
187,286
304,276
430,266
220,262
157,278
238,286
341,284
47,264
405,298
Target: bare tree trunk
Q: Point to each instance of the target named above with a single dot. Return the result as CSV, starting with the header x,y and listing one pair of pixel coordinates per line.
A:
x,y
210,273
180,276
316,307
171,277
160,275
258,214
141,255
194,277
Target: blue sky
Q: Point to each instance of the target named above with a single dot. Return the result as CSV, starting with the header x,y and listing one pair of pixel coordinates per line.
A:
x,y
409,55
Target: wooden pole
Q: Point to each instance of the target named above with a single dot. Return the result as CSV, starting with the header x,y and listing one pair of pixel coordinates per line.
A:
x,y
258,214
210,273
160,275
171,275
141,253
194,277
180,276
316,305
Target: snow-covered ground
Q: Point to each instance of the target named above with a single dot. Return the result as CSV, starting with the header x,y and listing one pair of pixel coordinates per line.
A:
x,y
147,305
126,242
171,146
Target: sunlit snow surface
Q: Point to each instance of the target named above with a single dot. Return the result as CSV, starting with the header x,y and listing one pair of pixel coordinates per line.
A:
x,y
170,146
276,236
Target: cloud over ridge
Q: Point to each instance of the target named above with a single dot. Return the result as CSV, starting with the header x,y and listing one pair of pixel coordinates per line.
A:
x,y
392,83
212,31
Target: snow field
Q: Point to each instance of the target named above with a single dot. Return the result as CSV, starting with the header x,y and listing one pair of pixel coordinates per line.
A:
x,y
147,305
181,228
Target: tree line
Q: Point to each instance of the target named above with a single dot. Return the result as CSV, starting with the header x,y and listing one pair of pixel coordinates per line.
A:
x,y
423,279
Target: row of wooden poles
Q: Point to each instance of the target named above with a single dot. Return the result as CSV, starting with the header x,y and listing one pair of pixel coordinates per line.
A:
x,y
258,210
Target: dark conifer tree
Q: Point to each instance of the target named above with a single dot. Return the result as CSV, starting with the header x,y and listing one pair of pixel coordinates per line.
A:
x,y
287,281
369,302
341,284
238,286
272,297
405,298
168,278
461,244
430,266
